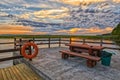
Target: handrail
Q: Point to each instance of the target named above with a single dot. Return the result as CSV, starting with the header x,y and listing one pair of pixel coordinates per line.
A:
x,y
9,50
59,41
49,41
10,58
7,43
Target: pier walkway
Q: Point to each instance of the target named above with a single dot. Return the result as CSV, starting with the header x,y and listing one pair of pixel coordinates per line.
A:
x,y
18,72
49,64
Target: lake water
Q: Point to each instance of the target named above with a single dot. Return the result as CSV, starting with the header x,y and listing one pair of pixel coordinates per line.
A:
x,y
9,46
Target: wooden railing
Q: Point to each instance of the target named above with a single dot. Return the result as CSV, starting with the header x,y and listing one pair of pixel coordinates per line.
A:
x,y
10,58
60,41
18,42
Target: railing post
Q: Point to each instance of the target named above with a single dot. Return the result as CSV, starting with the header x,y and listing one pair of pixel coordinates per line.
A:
x,y
30,51
83,41
101,42
48,42
33,40
20,43
59,42
14,48
70,40
14,43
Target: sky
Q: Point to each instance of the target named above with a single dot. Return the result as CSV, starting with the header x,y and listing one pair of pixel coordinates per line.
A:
x,y
76,17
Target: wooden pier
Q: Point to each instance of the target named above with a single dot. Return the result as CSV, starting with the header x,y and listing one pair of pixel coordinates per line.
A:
x,y
18,72
50,66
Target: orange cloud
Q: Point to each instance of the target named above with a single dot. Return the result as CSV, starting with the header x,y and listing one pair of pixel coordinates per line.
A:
x,y
15,29
43,14
92,30
78,2
117,1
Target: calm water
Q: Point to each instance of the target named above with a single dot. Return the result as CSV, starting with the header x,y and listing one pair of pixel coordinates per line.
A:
x,y
9,46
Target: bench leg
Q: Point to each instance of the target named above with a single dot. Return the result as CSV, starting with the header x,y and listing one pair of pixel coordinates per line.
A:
x,y
65,56
91,63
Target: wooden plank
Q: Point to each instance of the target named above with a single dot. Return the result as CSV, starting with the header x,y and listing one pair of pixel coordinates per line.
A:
x,y
4,75
81,55
30,74
20,73
9,50
7,43
10,58
33,74
1,76
23,70
7,74
15,73
12,74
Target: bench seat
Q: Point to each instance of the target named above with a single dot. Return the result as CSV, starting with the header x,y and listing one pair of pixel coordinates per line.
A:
x,y
91,60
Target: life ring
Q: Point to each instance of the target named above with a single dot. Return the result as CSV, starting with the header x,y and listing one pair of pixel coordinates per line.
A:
x,y
26,55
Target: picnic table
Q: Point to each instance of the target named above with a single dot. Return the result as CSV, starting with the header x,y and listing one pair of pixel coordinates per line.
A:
x,y
92,56
92,50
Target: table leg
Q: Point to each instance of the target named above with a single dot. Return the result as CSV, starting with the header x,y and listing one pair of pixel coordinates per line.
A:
x,y
98,54
70,48
91,63
91,52
65,56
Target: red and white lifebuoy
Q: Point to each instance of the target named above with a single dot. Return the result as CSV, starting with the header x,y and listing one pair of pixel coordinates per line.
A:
x,y
32,55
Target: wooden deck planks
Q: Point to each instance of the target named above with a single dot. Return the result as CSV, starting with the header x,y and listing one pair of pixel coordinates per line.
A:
x,y
7,74
18,72
12,74
32,74
1,76
27,75
21,76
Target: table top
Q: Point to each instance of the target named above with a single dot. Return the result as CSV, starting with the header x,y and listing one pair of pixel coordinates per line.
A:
x,y
85,46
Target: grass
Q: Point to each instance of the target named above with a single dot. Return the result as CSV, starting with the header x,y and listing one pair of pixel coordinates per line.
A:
x,y
115,38
106,37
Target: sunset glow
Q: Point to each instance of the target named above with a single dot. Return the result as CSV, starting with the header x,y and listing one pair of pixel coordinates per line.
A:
x,y
15,29
87,31
118,1
78,2
59,16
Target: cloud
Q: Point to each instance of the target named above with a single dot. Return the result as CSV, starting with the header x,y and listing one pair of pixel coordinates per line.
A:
x,y
46,15
15,29
78,2
88,31
117,1
53,13
3,14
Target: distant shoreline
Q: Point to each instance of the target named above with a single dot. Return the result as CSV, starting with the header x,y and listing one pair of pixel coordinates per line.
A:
x,y
58,36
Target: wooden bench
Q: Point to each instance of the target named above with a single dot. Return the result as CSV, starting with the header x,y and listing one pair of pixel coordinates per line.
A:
x,y
91,60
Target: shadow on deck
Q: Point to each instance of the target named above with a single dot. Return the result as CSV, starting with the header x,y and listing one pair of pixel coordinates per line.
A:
x,y
49,64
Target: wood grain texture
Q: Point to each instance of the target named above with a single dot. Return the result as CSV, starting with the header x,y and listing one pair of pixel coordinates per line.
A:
x,y
18,72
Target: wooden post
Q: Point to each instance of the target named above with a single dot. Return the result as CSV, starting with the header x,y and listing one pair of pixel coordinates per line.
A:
x,y
101,42
59,42
70,40
33,40
14,48
48,42
20,43
30,51
14,43
83,41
